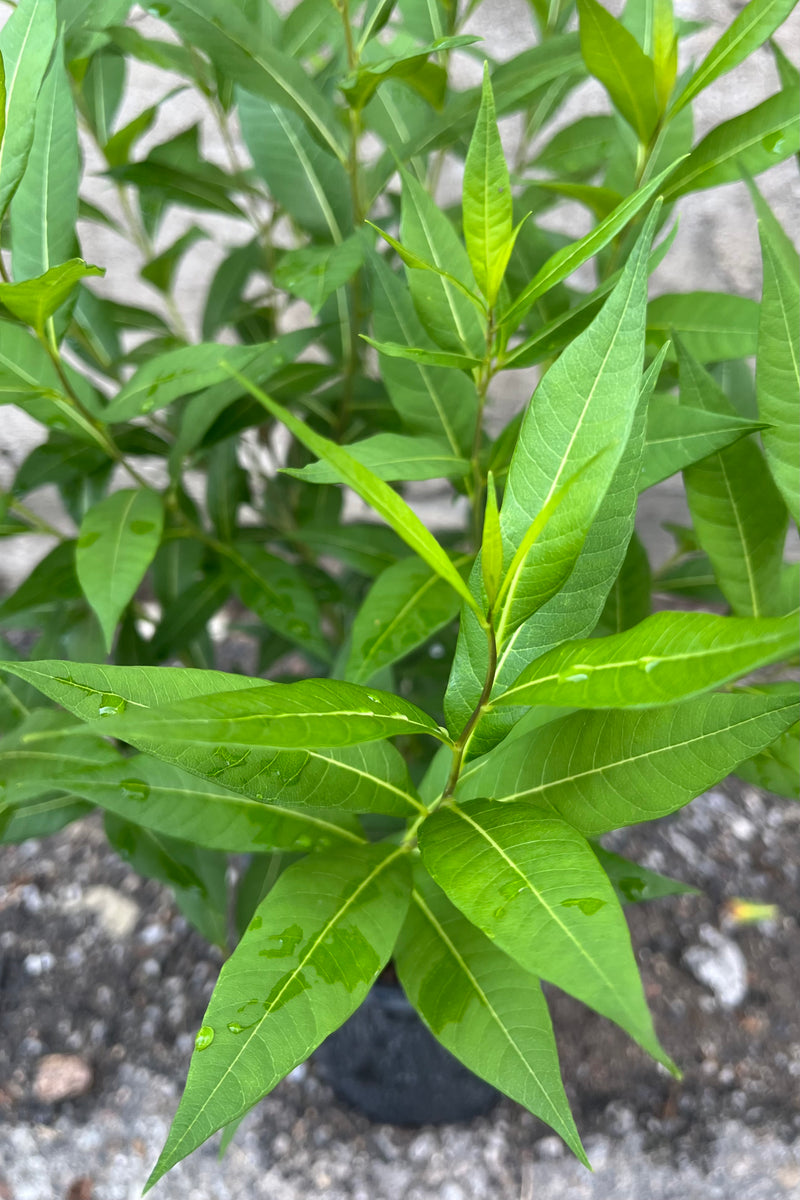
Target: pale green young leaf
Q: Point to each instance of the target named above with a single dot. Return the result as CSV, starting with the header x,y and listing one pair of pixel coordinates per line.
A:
x,y
756,140
679,435
447,314
491,544
368,778
44,209
777,369
393,457
313,713
405,606
487,202
664,51
35,300
418,263
117,542
669,656
378,494
749,29
412,68
503,1032
425,357
251,57
603,770
26,43
533,885
332,918
561,264
737,511
613,56
713,326
430,400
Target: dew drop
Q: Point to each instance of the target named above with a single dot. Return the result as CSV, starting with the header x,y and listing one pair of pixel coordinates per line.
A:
x,y
500,912
135,789
235,1027
88,539
255,924
111,705
648,664
588,905
141,527
774,143
204,1037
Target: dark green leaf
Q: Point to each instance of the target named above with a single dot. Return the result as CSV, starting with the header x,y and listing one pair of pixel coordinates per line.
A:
x,y
679,435
711,325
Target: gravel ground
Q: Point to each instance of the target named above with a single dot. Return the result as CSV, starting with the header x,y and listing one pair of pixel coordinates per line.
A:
x,y
96,965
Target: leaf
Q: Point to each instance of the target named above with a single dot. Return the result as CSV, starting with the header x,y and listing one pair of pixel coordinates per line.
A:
x,y
34,301
412,68
314,272
448,316
26,43
428,358
307,180
776,769
712,325
51,582
366,778
561,264
429,400
482,1006
614,57
603,770
309,714
533,885
176,373
629,600
487,201
278,594
393,457
752,26
737,511
160,271
243,53
679,435
755,140
44,752
405,606
331,919
374,491
116,544
40,817
669,656
491,545
585,403
777,369
44,210
118,147
634,884
102,88
579,149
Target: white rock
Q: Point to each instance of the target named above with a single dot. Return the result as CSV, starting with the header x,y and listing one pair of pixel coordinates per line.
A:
x,y
116,913
61,1076
720,965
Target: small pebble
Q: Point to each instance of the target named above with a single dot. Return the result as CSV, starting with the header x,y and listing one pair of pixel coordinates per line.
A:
x,y
61,1077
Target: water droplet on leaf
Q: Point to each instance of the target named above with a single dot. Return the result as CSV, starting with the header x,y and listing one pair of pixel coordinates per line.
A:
x,y
141,527
111,705
135,789
204,1037
588,905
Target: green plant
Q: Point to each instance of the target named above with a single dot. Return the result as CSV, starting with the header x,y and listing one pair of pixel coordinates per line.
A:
x,y
536,700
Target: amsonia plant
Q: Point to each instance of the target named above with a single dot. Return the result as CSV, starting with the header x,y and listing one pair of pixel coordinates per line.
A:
x,y
434,731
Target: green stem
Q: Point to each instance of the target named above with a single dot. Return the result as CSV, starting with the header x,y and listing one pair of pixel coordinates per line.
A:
x,y
482,385
34,520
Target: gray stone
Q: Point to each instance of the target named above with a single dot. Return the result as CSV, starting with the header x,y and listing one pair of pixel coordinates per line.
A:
x,y
720,965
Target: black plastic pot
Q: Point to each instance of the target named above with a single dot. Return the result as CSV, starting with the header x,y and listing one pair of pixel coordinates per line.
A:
x,y
385,1063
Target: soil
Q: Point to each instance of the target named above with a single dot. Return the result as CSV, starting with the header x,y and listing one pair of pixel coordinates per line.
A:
x,y
128,1003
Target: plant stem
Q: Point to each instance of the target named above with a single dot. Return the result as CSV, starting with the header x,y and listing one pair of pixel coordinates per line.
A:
x,y
34,520
352,359
482,386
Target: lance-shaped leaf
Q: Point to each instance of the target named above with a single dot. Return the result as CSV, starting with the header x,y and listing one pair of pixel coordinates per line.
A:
x,y
369,778
776,769
310,954
405,606
669,656
679,435
412,68
45,206
756,140
712,325
393,457
117,542
177,373
777,368
629,600
427,358
46,751
314,272
448,315
279,595
585,403
304,177
242,52
533,885
561,264
312,713
603,770
613,56
428,399
35,300
750,29
634,883
482,1006
487,201
40,817
737,511
386,502
26,43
